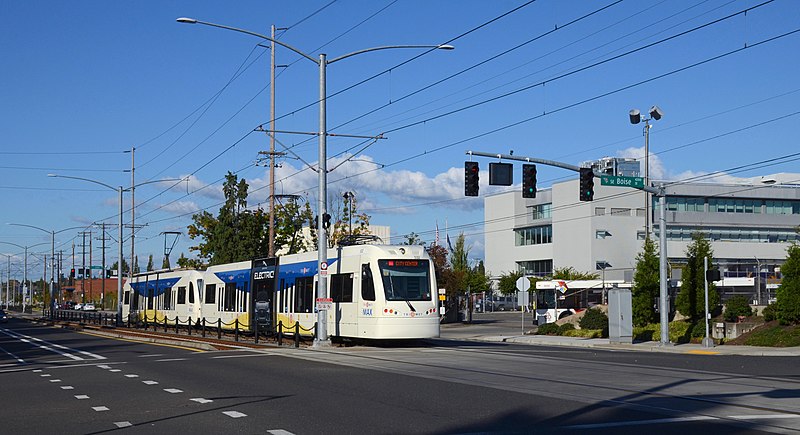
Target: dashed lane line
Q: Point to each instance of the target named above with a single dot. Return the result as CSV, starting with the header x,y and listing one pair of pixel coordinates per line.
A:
x,y
67,387
201,400
81,397
55,380
121,424
234,414
279,432
131,376
100,408
173,390
171,359
150,382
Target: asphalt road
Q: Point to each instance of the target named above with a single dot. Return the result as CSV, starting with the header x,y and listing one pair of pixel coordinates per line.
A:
x,y
60,381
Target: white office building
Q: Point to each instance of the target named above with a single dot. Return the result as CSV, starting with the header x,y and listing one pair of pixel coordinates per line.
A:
x,y
749,227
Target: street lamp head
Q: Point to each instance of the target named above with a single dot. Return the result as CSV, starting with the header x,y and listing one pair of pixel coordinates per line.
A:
x,y
186,20
635,115
656,113
446,47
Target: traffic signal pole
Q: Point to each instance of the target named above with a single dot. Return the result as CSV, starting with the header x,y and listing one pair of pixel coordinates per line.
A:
x,y
659,192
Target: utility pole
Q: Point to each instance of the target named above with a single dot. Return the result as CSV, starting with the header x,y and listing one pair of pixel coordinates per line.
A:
x,y
133,213
103,275
91,280
83,266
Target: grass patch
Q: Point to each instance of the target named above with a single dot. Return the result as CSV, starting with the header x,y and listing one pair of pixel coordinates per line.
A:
x,y
584,333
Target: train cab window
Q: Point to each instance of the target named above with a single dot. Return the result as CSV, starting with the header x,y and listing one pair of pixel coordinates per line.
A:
x,y
367,285
211,293
405,280
181,295
342,287
191,293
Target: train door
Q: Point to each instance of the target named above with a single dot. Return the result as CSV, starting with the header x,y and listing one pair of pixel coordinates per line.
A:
x,y
345,305
262,305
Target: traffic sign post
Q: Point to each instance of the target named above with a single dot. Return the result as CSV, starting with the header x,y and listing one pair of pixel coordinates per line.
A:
x,y
523,285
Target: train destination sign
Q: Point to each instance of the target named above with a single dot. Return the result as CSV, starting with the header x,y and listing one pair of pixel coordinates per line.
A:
x,y
611,180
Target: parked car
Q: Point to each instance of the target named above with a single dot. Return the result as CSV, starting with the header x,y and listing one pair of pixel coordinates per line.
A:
x,y
3,317
88,307
78,307
68,305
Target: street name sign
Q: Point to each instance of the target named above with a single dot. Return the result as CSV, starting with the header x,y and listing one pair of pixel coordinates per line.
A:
x,y
612,180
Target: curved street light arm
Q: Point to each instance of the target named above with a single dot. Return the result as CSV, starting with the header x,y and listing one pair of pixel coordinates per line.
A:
x,y
387,47
84,179
155,181
236,29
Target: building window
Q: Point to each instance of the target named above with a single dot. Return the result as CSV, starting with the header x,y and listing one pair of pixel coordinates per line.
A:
x,y
720,205
535,267
783,207
534,235
735,234
601,234
541,211
620,211
599,211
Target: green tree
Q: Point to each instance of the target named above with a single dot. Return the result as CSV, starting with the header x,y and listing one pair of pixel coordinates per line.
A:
x,y
413,239
646,284
289,220
788,294
570,274
124,266
190,263
508,282
236,233
150,263
136,265
347,219
691,298
165,264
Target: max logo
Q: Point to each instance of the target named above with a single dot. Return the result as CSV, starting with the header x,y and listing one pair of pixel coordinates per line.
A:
x,y
366,311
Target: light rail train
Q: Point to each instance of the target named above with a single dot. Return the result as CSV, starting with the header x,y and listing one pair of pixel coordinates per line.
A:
x,y
377,292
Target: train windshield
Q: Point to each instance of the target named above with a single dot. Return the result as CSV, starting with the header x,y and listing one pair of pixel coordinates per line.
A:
x,y
405,280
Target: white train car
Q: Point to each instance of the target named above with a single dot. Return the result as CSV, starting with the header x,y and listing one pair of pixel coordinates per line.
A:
x,y
164,294
378,292
226,295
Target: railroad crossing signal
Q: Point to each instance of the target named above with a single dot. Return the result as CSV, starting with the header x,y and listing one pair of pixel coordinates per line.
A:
x,y
528,181
587,184
471,178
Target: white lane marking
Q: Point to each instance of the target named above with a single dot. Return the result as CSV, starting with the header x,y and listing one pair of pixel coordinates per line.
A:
x,y
131,376
234,414
122,424
67,387
279,432
173,390
150,382
115,370
171,359
243,356
81,397
201,400
55,380
37,371
46,375
100,408
641,422
762,416
104,367
52,347
151,355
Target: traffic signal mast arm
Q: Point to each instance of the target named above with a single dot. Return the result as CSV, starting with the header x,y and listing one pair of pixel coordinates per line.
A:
x,y
654,190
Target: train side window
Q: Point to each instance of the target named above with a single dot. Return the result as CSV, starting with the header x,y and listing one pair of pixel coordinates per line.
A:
x,y
168,298
191,293
150,294
229,297
127,298
342,287
181,295
211,292
367,284
303,294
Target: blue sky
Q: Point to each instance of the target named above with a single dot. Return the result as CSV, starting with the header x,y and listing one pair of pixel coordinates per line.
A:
x,y
83,82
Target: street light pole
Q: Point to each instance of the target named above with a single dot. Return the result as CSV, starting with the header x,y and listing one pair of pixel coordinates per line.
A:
x,y
636,117
321,337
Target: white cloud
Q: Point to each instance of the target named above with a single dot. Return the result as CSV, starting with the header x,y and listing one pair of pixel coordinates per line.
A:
x,y
181,207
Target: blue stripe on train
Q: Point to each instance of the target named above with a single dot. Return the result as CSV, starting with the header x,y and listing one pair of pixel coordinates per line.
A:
x,y
289,272
242,275
162,285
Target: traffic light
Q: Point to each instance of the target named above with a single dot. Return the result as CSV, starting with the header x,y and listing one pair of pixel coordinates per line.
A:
x,y
471,178
72,273
587,184
528,181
